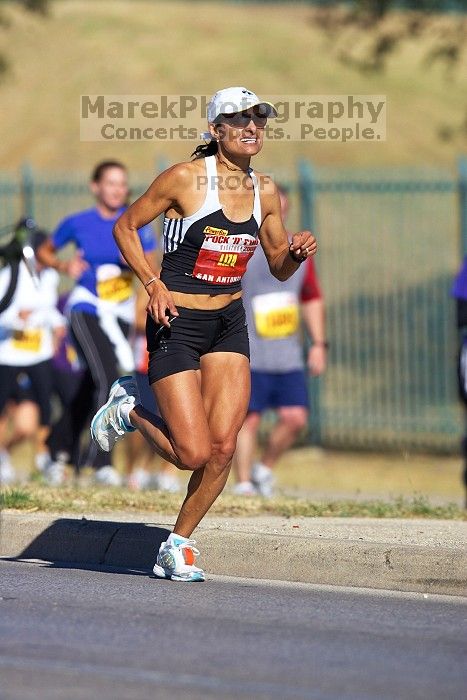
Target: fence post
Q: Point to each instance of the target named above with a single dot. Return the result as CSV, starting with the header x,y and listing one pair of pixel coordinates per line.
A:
x,y
462,169
27,191
306,192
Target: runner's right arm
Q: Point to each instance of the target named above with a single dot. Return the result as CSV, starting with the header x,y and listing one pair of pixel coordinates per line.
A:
x,y
161,196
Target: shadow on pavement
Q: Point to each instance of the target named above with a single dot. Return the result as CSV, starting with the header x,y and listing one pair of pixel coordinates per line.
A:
x,y
94,544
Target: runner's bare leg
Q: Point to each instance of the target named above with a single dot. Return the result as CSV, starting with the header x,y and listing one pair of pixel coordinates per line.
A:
x,y
206,411
225,387
246,447
187,444
292,419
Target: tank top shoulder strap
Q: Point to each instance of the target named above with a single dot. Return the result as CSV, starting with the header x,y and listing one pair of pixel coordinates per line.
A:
x,y
211,202
257,200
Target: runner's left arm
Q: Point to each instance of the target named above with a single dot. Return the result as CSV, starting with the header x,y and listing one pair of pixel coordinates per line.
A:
x,y
284,256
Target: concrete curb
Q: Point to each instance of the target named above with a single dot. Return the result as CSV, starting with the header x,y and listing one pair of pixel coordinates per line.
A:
x,y
319,553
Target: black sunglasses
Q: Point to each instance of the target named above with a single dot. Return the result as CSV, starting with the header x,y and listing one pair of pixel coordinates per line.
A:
x,y
242,119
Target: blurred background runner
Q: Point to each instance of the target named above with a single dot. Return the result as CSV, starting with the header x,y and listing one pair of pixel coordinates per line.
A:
x,y
101,305
279,379
31,328
74,390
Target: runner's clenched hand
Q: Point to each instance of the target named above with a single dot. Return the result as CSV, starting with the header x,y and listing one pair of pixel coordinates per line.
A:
x,y
160,300
303,245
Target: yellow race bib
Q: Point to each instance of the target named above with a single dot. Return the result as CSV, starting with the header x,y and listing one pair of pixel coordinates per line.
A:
x,y
276,315
71,354
113,284
28,341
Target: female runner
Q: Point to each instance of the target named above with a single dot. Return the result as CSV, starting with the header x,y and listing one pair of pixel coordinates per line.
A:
x,y
217,210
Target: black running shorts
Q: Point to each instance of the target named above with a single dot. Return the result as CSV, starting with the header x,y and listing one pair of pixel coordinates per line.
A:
x,y
195,333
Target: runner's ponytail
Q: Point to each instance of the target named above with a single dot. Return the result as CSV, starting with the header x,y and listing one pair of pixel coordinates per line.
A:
x,y
205,149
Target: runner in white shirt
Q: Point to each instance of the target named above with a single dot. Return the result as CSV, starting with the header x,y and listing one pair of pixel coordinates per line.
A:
x,y
29,329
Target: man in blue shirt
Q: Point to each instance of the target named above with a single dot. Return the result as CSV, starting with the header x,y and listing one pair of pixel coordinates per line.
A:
x,y
101,306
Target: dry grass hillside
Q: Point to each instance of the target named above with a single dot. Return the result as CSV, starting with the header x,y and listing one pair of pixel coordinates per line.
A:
x,y
121,47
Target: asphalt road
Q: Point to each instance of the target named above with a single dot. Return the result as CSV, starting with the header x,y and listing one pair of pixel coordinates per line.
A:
x,y
69,633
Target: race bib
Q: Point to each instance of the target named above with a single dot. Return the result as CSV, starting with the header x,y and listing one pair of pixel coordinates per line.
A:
x,y
113,284
27,341
71,355
276,315
222,259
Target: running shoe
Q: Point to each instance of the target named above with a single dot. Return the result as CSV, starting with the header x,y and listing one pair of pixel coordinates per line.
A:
x,y
139,479
263,479
108,476
7,472
176,561
165,481
53,471
42,461
244,488
108,426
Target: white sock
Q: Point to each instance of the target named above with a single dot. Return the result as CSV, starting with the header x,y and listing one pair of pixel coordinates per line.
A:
x,y
125,408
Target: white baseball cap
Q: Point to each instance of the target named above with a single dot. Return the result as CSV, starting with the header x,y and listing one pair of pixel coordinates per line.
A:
x,y
235,99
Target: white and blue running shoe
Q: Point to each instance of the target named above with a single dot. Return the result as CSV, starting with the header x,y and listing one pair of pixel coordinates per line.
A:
x,y
108,426
176,561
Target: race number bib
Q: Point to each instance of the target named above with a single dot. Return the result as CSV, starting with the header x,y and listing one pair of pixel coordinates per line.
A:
x,y
113,284
276,315
71,355
28,340
222,259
